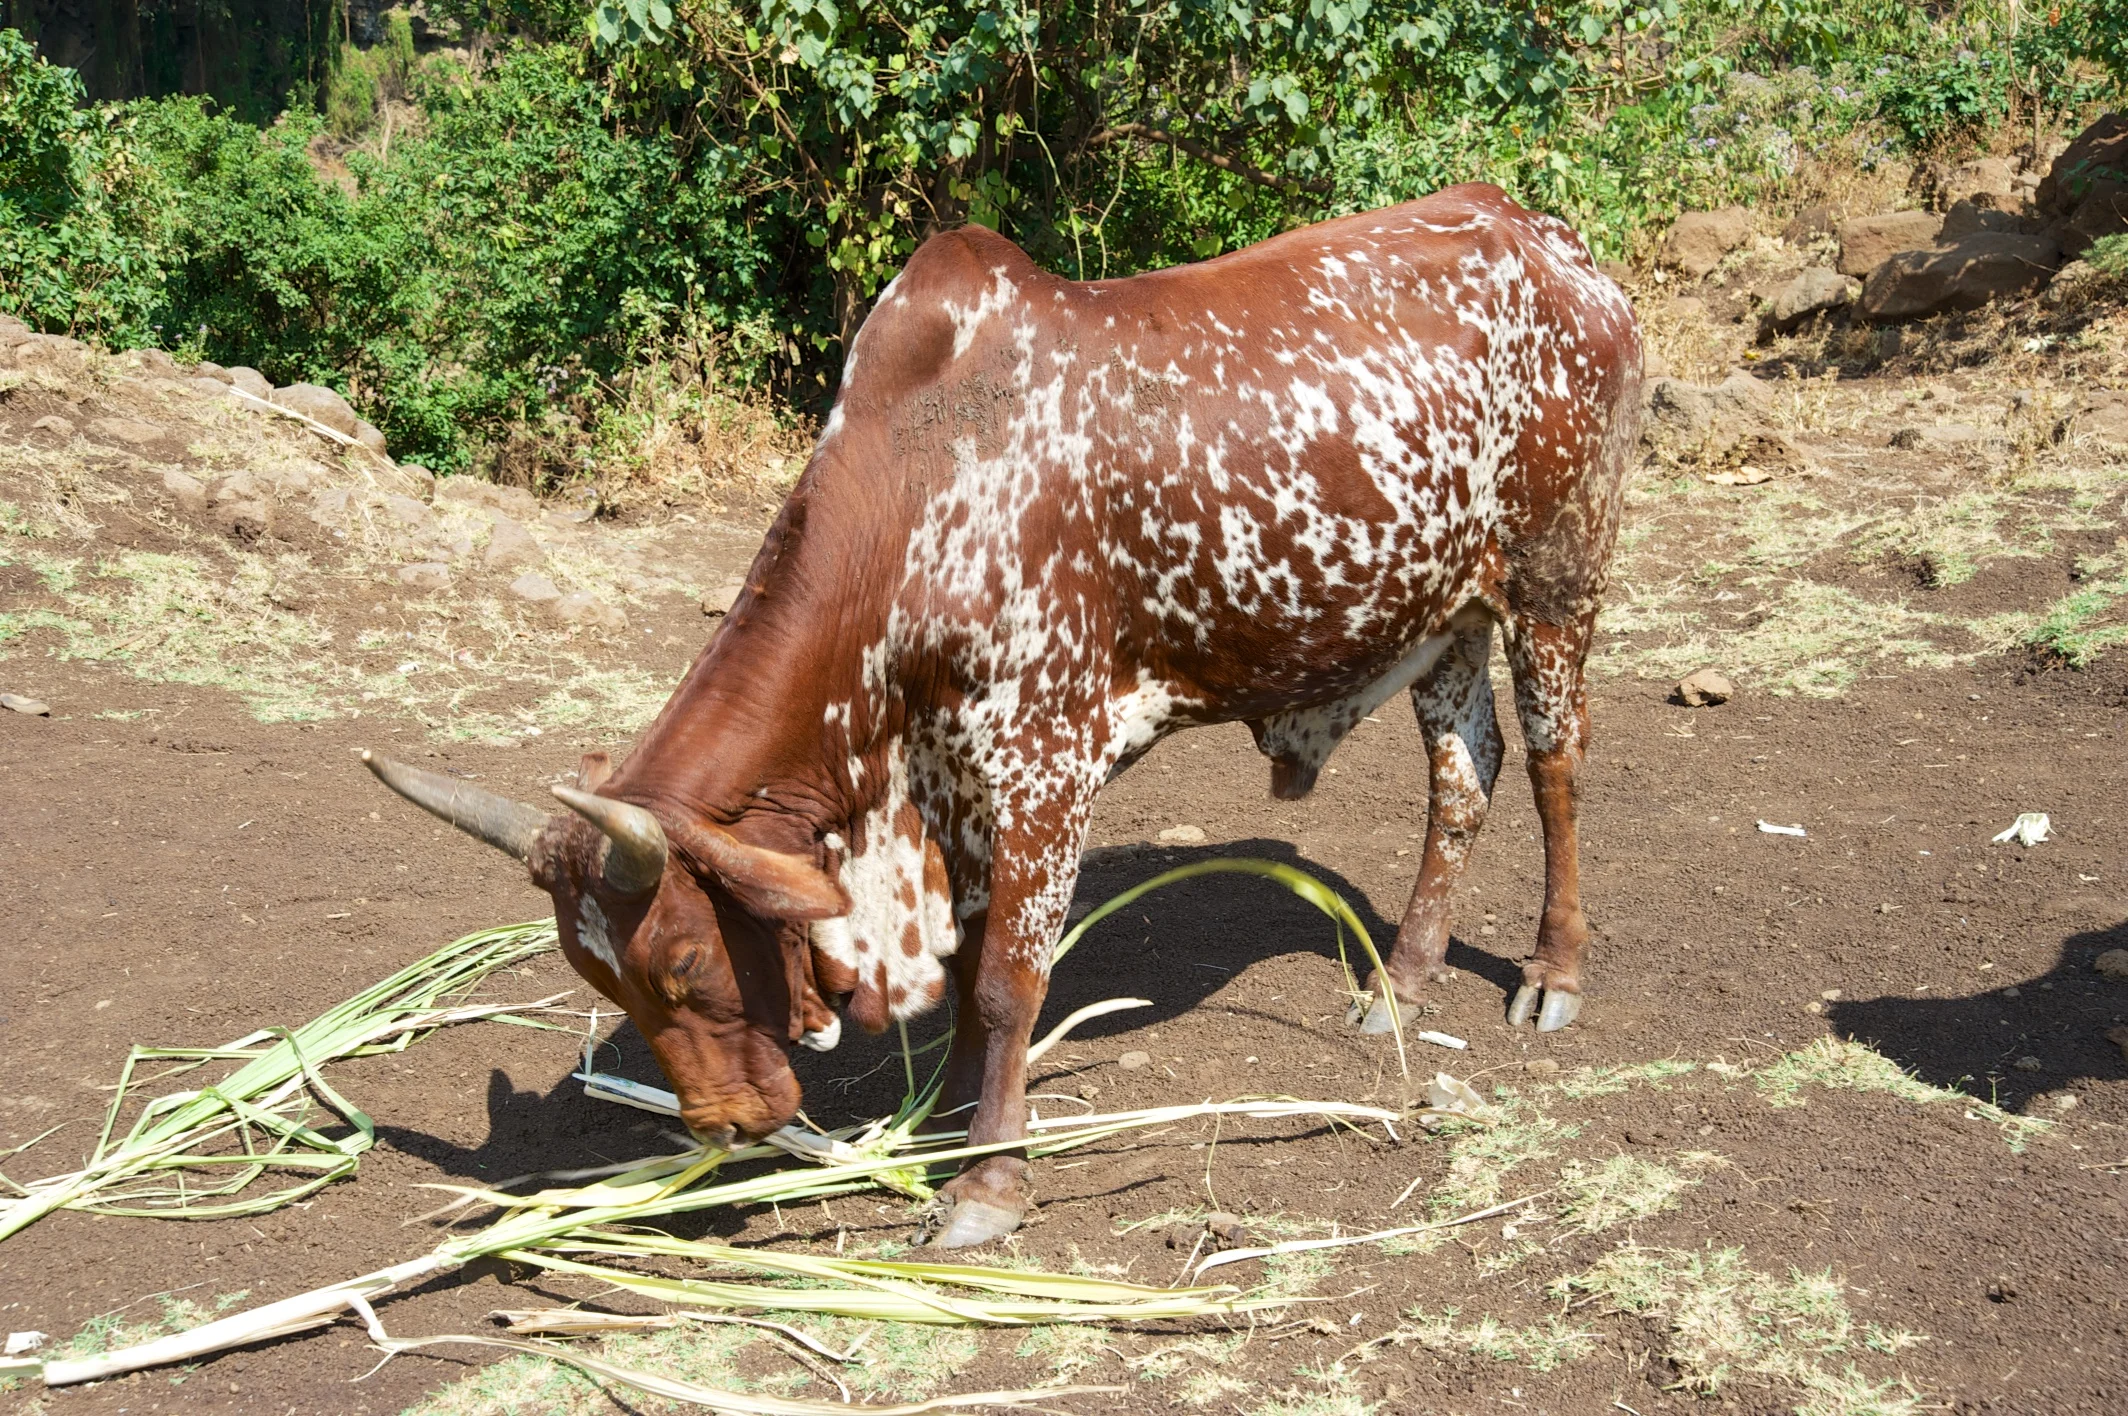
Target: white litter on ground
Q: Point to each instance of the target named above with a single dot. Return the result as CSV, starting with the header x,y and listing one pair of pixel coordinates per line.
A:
x,y
1772,830
1441,1039
2029,829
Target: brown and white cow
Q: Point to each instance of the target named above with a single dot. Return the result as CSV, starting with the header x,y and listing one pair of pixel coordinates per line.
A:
x,y
1048,523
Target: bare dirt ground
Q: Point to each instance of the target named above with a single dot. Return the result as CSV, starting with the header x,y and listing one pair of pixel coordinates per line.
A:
x,y
1842,1130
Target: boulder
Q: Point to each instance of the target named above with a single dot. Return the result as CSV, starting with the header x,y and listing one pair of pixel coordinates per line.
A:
x,y
126,432
69,357
1703,688
1964,218
1984,178
425,575
1869,241
52,423
208,369
510,546
1962,275
1813,292
535,588
422,481
333,508
408,512
2085,193
240,507
367,434
581,607
320,405
188,492
213,388
510,501
12,331
2101,420
1688,412
246,379
1699,239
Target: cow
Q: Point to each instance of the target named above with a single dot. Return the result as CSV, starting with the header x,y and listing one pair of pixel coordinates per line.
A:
x,y
1047,523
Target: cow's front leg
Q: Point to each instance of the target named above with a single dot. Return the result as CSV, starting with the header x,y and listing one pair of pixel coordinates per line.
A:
x,y
1001,976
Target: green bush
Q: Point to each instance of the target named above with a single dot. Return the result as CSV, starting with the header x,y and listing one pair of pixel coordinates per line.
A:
x,y
82,224
1948,98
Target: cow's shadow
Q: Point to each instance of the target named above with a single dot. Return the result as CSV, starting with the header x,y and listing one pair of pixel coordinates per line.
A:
x,y
1974,1043
1174,947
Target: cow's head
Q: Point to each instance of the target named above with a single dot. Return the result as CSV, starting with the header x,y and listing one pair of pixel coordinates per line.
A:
x,y
698,935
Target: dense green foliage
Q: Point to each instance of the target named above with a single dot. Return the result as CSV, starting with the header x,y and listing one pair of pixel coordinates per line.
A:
x,y
505,245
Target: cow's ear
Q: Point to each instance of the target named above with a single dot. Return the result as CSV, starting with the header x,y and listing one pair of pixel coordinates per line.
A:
x,y
768,883
592,771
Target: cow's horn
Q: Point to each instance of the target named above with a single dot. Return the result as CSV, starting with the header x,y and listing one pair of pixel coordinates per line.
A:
x,y
504,824
635,852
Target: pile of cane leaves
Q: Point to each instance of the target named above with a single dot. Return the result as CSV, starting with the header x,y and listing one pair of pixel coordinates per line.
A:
x,y
200,1153
600,1230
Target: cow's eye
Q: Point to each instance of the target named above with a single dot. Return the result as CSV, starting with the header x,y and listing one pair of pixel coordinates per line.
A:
x,y
684,967
678,976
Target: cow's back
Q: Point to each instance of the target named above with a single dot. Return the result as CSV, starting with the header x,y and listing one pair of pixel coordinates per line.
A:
x,y
1258,477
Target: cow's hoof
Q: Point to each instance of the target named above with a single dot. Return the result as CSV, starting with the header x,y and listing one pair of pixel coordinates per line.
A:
x,y
963,1224
1559,1007
1376,1017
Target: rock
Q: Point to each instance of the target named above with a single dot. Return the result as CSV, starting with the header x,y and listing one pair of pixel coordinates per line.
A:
x,y
536,588
55,425
69,357
1541,1067
1983,177
408,512
2028,1064
1699,239
34,707
1813,292
425,575
2085,193
1807,225
1963,275
1685,309
13,331
319,404
1182,836
423,481
213,388
248,520
720,600
131,432
1964,218
1134,1061
1869,241
510,546
1703,688
1936,435
188,492
1691,413
2101,420
581,607
1652,363
246,379
510,501
2112,964
1619,272
368,435
332,508
208,369
1228,1231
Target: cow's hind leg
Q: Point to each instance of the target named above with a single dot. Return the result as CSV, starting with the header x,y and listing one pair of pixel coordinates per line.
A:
x,y
1454,706
1548,661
